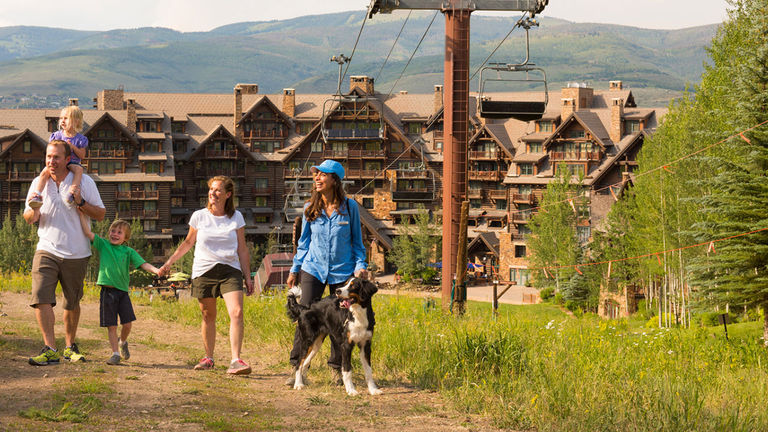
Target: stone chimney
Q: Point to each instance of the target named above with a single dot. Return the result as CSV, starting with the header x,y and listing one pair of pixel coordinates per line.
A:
x,y
73,101
615,85
110,100
239,91
130,118
438,99
617,126
289,102
362,82
566,108
581,95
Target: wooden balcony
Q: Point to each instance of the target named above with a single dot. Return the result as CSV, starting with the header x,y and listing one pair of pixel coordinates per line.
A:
x,y
485,175
131,195
499,194
415,174
105,154
220,154
290,173
521,217
484,155
265,134
335,154
523,198
413,194
575,156
17,196
474,193
21,175
358,173
138,214
354,134
261,191
370,154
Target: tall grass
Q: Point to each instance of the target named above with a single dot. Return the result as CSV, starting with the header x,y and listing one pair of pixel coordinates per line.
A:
x,y
536,368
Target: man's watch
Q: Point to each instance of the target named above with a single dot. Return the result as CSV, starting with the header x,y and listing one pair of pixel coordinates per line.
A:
x,y
82,202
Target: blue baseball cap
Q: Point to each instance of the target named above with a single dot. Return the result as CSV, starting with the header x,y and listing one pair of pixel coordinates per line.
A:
x,y
329,166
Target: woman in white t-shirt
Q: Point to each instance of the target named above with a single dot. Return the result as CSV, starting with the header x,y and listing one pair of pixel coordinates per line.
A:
x,y
221,261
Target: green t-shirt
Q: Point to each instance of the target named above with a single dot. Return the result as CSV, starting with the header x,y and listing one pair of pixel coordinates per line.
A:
x,y
115,263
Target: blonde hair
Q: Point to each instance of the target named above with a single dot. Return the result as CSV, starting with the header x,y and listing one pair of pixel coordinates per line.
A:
x,y
75,117
122,223
229,186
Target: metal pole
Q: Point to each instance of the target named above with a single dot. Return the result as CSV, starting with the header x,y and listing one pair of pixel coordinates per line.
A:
x,y
456,108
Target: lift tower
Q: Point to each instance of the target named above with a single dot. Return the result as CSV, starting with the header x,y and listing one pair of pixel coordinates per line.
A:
x,y
455,106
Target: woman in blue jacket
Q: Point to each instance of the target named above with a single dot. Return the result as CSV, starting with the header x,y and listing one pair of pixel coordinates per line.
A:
x,y
330,249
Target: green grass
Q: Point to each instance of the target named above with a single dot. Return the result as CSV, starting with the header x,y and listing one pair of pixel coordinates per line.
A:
x,y
73,402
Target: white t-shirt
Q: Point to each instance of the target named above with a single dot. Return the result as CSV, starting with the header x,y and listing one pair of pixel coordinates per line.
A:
x,y
59,227
216,240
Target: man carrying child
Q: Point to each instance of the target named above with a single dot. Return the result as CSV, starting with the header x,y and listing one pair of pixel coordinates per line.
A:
x,y
62,252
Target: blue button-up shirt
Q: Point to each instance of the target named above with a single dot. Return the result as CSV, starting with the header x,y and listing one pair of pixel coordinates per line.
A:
x,y
331,247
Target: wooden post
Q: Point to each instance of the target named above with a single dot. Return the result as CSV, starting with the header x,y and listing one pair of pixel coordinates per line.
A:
x,y
495,299
460,289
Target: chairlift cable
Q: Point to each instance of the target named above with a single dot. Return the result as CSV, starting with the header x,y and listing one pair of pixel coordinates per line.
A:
x,y
517,24
394,44
362,26
412,54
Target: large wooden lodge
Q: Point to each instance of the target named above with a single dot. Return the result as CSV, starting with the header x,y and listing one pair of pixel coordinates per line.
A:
x,y
152,153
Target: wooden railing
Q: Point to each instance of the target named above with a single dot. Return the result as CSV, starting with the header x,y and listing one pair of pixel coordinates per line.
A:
x,y
482,154
523,198
576,156
21,175
367,153
485,175
137,214
211,153
99,154
137,194
498,194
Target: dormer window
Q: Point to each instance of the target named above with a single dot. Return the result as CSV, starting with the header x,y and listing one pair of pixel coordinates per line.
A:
x,y
632,126
526,169
546,126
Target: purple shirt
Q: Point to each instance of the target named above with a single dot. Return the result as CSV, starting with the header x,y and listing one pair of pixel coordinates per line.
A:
x,y
79,141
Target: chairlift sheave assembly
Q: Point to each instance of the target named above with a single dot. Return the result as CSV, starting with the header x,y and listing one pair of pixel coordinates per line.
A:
x,y
522,73
358,103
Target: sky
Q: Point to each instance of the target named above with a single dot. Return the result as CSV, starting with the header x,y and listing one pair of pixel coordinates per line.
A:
x,y
204,15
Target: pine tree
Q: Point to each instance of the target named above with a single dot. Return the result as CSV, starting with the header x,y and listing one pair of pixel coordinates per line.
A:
x,y
736,271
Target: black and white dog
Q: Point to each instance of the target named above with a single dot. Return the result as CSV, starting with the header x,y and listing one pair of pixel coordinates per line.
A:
x,y
347,318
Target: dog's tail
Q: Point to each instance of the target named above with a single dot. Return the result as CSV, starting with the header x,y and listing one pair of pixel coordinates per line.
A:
x,y
292,307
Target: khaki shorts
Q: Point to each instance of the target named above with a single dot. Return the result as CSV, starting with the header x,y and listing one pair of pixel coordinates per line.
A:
x,y
48,270
217,281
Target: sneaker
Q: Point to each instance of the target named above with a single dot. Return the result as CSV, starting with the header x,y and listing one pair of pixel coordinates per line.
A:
x,y
124,350
114,359
48,356
205,363
70,351
238,367
36,201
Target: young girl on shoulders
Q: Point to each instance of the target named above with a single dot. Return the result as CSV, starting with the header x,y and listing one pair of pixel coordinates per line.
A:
x,y
70,125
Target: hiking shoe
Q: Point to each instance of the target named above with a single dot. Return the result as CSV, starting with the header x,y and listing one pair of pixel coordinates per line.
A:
x,y
47,356
238,367
36,201
114,359
70,351
124,350
205,363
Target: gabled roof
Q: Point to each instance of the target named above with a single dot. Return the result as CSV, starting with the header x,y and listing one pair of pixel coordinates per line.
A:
x,y
488,239
226,131
107,117
266,101
34,139
589,121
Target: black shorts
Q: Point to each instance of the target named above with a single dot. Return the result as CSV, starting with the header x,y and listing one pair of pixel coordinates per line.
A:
x,y
113,303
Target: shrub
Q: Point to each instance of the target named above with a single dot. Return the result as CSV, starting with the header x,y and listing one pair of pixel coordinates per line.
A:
x,y
558,298
547,293
711,319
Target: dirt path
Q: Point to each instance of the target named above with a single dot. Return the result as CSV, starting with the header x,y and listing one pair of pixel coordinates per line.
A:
x,y
157,390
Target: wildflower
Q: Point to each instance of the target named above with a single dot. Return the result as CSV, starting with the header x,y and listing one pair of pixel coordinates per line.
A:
x,y
670,352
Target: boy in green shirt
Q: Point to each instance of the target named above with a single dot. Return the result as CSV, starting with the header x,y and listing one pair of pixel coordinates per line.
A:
x,y
114,276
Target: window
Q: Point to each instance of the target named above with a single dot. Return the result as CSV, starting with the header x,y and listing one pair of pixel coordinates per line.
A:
x,y
3,168
438,145
176,202
124,187
396,146
414,128
368,203
372,165
526,169
340,147
150,186
263,146
575,133
317,147
305,127
260,201
151,167
501,204
178,127
261,167
27,146
534,147
475,203
150,225
178,219
521,276
519,251
583,211
123,206
150,205
261,219
180,146
546,126
24,188
152,146
576,169
261,183
632,126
